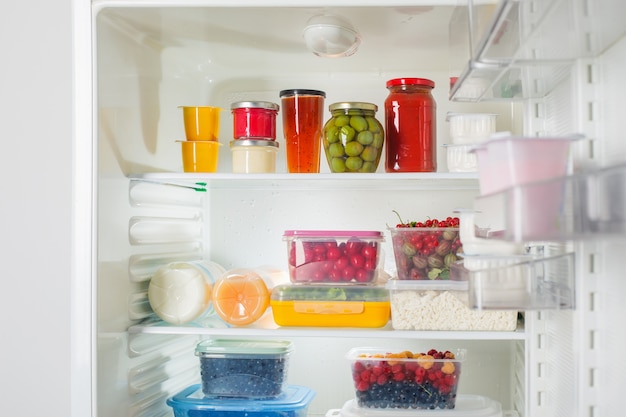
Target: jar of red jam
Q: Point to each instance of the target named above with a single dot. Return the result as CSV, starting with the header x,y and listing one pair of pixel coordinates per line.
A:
x,y
254,120
410,126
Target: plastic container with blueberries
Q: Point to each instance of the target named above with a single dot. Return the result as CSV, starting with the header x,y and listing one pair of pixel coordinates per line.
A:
x,y
252,369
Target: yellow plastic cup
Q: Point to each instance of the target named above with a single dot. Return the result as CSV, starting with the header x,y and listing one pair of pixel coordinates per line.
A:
x,y
200,155
201,122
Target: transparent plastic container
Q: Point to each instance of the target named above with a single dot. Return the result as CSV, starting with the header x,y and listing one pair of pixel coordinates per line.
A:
x,y
420,381
294,401
334,257
243,369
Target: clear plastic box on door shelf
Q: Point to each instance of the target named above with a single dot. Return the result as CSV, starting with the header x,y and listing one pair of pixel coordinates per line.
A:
x,y
466,405
442,305
405,380
294,401
243,369
518,282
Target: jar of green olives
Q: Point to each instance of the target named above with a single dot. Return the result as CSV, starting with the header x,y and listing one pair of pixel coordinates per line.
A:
x,y
353,137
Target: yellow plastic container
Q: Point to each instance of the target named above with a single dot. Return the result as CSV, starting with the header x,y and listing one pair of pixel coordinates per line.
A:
x,y
200,156
330,306
201,122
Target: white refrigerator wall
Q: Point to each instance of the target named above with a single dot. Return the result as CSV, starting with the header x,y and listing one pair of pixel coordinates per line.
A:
x,y
150,60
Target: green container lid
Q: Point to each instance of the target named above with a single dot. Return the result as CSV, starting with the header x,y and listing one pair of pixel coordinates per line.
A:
x,y
225,347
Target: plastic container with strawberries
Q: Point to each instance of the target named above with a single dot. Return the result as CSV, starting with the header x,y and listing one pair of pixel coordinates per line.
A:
x,y
333,256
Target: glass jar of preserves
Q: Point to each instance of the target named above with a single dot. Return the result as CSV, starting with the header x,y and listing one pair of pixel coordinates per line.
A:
x,y
411,126
353,137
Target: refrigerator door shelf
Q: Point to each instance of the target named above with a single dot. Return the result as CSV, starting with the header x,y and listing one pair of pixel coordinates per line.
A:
x,y
518,282
585,205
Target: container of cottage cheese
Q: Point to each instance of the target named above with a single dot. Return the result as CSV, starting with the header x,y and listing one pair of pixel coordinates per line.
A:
x,y
254,156
441,305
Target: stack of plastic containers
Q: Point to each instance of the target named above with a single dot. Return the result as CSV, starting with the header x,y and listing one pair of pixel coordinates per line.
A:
x,y
467,130
333,278
254,147
201,149
243,378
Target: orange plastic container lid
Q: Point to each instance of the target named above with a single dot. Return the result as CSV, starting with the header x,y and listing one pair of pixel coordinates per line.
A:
x,y
240,297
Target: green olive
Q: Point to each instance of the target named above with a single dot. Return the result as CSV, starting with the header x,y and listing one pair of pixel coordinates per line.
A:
x,y
373,125
353,163
358,123
365,137
336,150
332,133
369,154
368,166
346,134
379,138
342,120
354,148
338,165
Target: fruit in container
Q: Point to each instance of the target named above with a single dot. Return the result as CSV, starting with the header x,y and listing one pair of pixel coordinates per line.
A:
x,y
405,379
425,250
243,368
333,257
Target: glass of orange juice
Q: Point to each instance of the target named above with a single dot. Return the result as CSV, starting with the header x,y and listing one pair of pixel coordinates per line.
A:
x,y
302,114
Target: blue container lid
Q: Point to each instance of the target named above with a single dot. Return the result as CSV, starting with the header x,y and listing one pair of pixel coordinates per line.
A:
x,y
294,397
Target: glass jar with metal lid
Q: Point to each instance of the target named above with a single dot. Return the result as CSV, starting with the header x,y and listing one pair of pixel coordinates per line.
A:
x,y
353,137
254,156
411,126
254,120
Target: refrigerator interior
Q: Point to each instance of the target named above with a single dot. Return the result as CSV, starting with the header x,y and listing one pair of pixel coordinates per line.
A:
x,y
151,58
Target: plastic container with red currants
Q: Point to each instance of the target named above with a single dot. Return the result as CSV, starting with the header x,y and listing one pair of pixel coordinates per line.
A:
x,y
333,256
425,250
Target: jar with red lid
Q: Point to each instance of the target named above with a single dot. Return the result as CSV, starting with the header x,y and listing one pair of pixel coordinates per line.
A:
x,y
254,120
410,126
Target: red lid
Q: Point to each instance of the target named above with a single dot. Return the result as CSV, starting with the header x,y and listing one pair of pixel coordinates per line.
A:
x,y
410,81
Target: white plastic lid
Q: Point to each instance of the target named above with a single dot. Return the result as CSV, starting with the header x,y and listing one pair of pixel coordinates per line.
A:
x,y
465,406
180,292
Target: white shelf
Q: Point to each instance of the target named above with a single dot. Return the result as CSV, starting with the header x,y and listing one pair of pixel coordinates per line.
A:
x,y
399,181
265,327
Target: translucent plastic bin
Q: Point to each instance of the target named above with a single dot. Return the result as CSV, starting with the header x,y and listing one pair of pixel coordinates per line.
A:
x,y
442,305
244,369
294,401
518,282
426,380
508,161
330,306
333,256
466,405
